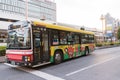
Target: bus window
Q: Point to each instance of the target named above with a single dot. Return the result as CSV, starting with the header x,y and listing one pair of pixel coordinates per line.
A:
x,y
63,37
70,37
91,38
55,39
19,38
76,39
84,39
37,40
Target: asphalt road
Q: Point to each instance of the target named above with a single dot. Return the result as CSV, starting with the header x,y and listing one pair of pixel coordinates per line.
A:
x,y
103,64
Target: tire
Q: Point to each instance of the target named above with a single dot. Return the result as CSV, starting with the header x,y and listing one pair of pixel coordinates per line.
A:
x,y
58,57
86,52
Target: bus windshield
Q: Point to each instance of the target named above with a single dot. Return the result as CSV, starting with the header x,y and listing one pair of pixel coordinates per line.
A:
x,y
19,36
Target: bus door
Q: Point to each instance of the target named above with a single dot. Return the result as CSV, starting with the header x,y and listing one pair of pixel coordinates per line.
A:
x,y
40,46
45,46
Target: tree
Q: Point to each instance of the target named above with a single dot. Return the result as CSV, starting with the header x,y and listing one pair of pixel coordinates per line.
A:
x,y
118,34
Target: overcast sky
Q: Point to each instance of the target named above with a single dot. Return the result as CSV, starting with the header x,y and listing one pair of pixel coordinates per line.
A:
x,y
86,12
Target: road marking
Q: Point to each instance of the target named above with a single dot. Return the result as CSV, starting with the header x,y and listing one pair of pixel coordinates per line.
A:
x,y
91,66
37,73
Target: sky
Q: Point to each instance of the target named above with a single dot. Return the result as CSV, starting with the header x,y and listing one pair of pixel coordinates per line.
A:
x,y
86,12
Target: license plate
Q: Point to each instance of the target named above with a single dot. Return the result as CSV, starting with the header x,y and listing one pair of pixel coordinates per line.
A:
x,y
13,63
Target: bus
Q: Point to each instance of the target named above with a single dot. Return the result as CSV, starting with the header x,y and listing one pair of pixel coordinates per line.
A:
x,y
36,43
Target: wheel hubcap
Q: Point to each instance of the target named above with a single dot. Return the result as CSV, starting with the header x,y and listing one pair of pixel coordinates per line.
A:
x,y
58,57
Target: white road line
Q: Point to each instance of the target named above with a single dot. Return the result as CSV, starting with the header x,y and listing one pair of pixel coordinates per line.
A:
x,y
91,66
37,73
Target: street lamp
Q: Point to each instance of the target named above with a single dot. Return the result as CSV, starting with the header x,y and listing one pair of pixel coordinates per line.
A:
x,y
102,19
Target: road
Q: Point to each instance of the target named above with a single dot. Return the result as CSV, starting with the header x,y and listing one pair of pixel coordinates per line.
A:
x,y
102,64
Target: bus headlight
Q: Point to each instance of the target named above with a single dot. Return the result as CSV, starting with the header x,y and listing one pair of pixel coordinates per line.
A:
x,y
26,58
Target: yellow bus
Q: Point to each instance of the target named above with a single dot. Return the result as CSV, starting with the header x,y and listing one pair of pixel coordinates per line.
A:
x,y
34,43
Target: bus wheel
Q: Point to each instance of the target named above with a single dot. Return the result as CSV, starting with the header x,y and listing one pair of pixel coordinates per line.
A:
x,y
86,52
58,57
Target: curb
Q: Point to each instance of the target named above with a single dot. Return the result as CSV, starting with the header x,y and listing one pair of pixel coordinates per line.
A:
x,y
105,47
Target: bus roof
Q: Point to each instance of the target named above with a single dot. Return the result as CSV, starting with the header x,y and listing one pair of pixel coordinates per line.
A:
x,y
58,27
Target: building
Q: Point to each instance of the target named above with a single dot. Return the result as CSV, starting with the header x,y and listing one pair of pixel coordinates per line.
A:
x,y
117,26
111,27
3,35
14,10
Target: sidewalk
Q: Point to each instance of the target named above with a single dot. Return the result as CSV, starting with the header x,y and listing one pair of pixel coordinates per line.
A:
x,y
2,59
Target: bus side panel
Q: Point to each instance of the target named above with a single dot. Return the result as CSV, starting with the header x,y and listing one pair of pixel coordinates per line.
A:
x,y
69,51
91,47
55,48
82,49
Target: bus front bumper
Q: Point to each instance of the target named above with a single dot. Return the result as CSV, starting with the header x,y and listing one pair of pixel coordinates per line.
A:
x,y
18,63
